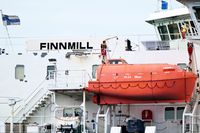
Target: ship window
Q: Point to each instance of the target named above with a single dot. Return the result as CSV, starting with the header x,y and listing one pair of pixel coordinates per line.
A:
x,y
50,71
193,28
19,72
78,112
68,112
179,112
163,33
188,27
94,69
197,13
169,113
174,32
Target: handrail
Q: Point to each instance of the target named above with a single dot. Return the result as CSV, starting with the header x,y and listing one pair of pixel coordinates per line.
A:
x,y
35,102
33,93
191,113
62,78
35,96
27,99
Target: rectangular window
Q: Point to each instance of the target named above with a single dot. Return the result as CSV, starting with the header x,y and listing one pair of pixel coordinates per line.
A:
x,y
68,112
193,28
94,69
179,113
174,32
51,71
19,72
197,12
169,113
188,27
163,33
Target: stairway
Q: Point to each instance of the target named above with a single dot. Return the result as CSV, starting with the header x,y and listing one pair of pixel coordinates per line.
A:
x,y
29,109
191,116
37,99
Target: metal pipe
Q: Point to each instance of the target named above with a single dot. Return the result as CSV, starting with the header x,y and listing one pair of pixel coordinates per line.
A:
x,y
113,118
183,125
97,119
84,112
12,118
106,120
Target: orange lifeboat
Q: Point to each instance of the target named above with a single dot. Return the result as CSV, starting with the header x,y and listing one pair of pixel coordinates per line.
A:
x,y
121,83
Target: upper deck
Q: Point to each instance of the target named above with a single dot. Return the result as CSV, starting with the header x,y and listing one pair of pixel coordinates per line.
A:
x,y
169,24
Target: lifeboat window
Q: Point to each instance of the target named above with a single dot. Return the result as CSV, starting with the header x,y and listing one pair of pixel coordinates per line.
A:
x,y
182,66
163,33
94,70
117,62
169,113
19,72
174,31
179,112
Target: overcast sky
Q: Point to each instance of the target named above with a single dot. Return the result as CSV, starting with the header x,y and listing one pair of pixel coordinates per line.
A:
x,y
79,17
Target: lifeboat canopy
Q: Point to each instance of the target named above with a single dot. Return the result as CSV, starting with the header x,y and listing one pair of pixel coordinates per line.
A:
x,y
120,83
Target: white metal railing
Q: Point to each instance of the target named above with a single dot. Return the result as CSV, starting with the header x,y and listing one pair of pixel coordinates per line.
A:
x,y
178,44
30,101
192,33
67,79
192,124
191,121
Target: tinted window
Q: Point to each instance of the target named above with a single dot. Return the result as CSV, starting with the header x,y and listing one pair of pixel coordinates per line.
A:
x,y
163,33
169,113
197,12
174,32
67,112
19,72
51,71
179,112
94,70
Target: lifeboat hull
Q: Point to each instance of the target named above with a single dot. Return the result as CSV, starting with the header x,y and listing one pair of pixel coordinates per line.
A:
x,y
164,83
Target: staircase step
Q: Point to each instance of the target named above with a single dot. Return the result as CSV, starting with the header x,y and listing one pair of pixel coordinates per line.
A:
x,y
46,97
36,107
42,101
33,110
49,93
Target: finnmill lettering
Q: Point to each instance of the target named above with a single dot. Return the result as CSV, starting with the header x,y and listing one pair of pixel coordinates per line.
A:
x,y
64,46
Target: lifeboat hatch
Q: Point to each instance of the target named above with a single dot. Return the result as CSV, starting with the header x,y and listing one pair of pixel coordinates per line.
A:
x,y
168,69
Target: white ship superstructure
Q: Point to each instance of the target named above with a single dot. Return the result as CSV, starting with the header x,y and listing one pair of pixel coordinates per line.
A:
x,y
44,80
